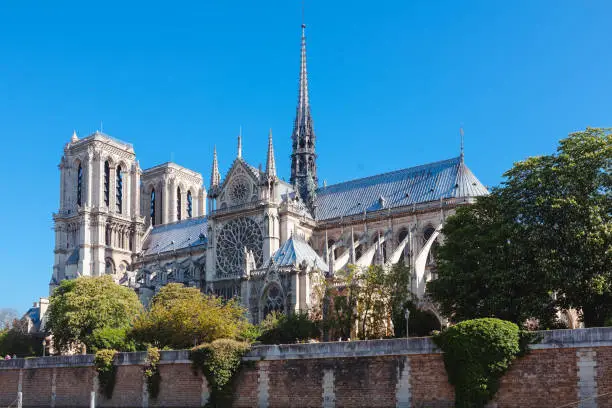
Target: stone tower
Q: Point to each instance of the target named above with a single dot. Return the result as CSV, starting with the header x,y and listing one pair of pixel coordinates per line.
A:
x,y
303,156
98,228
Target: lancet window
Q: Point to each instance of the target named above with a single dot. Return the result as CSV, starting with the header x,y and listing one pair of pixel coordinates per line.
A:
x,y
189,204
80,185
106,183
178,203
152,206
119,190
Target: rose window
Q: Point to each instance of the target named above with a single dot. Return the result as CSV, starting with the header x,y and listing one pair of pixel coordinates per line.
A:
x,y
238,192
231,241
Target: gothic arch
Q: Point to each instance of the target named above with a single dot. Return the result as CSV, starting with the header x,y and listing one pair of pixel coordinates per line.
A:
x,y
109,266
273,299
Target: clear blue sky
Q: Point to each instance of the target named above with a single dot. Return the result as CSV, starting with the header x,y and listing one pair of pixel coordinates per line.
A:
x,y
391,82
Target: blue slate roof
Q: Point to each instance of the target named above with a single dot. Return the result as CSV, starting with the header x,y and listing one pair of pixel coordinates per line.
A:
x,y
430,182
295,251
178,235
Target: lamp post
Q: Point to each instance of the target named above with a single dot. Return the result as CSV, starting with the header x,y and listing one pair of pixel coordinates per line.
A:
x,y
407,316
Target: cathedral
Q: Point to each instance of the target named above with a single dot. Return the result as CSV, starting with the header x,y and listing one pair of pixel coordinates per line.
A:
x,y
248,234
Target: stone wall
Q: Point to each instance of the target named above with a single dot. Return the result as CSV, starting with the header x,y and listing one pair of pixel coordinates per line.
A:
x,y
568,365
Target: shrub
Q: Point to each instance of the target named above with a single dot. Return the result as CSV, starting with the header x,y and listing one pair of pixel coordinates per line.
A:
x,y
287,328
476,354
107,371
219,361
13,341
111,338
151,371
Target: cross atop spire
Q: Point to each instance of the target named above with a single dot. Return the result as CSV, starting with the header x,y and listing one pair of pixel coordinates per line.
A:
x,y
303,157
270,162
215,177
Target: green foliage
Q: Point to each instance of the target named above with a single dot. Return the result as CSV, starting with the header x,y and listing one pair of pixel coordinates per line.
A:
x,y
151,372
373,297
287,328
107,371
476,354
540,242
250,333
16,342
422,323
115,338
219,361
180,317
81,306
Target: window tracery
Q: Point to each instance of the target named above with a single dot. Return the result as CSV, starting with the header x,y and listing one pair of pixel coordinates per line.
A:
x,y
231,241
273,301
189,204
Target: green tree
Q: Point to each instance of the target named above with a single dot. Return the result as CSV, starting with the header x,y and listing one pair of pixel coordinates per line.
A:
x,y
287,328
180,317
539,242
81,306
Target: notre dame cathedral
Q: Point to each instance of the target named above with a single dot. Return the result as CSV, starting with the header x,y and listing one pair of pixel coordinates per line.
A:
x,y
249,234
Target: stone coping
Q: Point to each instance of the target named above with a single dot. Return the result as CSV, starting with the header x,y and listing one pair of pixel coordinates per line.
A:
x,y
592,337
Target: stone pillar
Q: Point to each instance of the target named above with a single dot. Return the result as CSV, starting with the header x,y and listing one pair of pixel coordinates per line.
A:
x,y
127,193
173,210
202,202
165,199
136,205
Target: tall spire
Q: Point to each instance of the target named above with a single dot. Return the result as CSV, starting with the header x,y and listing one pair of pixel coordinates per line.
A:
x,y
270,162
215,177
239,155
461,134
303,157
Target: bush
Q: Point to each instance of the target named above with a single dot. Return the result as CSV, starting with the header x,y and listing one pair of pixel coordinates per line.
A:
x,y
21,344
219,361
107,371
287,328
111,338
476,354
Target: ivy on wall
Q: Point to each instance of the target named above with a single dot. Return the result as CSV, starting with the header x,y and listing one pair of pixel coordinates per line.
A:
x,y
219,361
151,372
103,362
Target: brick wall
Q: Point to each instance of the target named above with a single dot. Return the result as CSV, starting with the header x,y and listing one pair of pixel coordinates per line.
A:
x,y
565,366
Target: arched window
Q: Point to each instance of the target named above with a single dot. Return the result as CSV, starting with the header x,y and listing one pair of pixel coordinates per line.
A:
x,y
109,268
273,302
119,190
178,203
106,183
107,235
80,185
189,204
152,210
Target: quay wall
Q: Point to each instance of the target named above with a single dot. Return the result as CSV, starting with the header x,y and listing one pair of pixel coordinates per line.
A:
x,y
565,367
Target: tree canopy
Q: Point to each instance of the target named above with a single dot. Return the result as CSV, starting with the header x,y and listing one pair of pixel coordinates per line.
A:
x,y
81,307
540,242
181,317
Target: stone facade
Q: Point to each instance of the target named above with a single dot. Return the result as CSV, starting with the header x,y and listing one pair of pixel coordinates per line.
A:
x,y
379,373
262,239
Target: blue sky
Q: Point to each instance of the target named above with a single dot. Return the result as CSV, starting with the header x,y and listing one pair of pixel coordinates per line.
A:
x,y
391,83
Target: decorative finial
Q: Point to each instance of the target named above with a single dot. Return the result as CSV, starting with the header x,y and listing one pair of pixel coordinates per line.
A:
x,y
240,143
215,177
270,162
74,137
